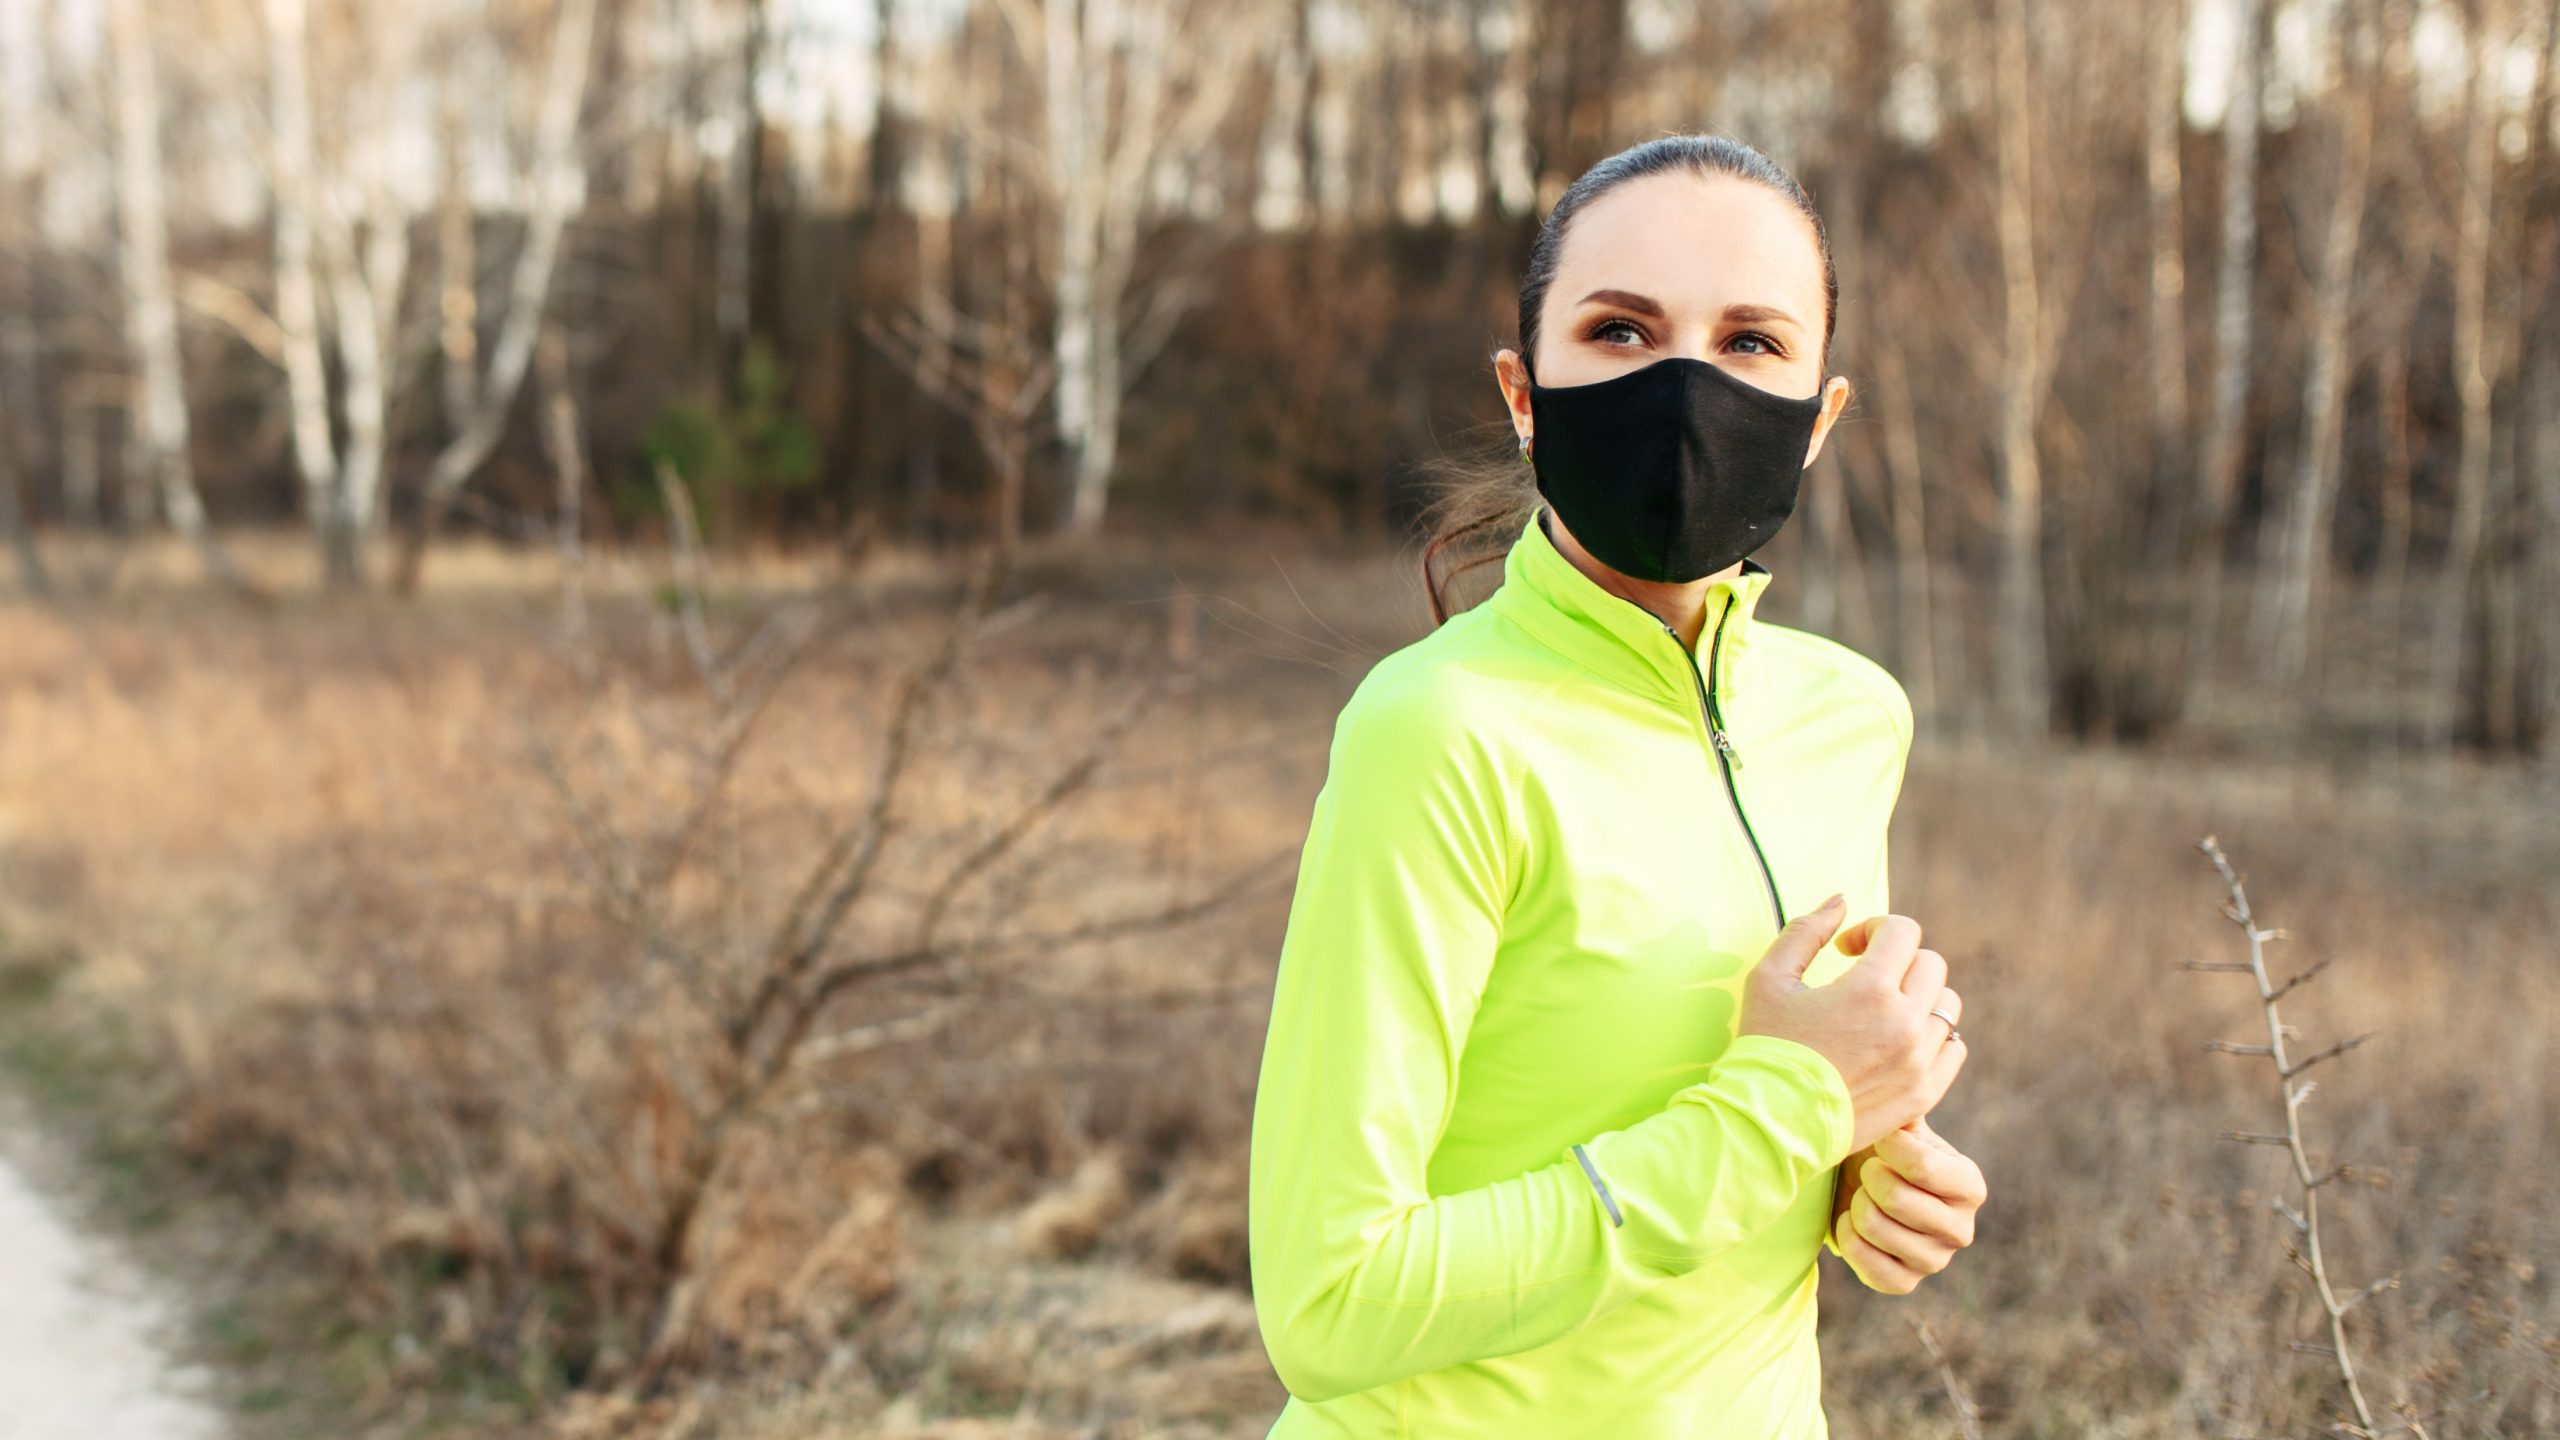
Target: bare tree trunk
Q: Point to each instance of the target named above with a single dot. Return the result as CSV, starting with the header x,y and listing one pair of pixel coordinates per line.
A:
x,y
1105,142
22,351
2020,644
315,449
2514,616
13,517
151,311
457,269
568,449
2399,475
1074,181
1864,80
556,178
1516,161
21,383
2471,379
733,303
2539,703
1920,648
1828,542
1099,454
1284,187
367,273
2507,710
1458,113
2493,703
362,258
2289,594
2227,424
2396,480
82,468
2163,127
937,286
887,156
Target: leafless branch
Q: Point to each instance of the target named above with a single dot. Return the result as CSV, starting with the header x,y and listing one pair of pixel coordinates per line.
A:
x,y
2305,1220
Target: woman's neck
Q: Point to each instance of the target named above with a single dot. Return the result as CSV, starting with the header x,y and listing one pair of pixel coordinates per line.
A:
x,y
1681,604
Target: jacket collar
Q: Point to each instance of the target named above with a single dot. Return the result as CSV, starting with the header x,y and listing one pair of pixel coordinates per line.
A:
x,y
1623,641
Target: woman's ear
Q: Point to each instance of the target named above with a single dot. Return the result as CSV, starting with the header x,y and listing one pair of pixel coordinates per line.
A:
x,y
1835,398
1513,377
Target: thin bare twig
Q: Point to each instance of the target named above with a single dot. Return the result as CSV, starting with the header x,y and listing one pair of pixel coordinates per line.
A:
x,y
844,976
2305,1220
837,880
1061,788
1968,1419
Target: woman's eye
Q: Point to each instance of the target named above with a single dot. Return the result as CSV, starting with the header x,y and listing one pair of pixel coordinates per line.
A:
x,y
1767,345
1602,330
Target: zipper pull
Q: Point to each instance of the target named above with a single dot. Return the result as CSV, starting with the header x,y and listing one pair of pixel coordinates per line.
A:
x,y
1724,742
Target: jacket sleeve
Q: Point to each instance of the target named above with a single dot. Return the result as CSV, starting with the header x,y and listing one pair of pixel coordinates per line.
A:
x,y
1361,1276
1872,893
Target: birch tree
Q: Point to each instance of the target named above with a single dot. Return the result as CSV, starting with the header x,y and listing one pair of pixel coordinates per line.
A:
x,y
331,510
13,519
2226,422
2471,373
2163,126
343,234
25,162
159,409
741,186
990,362
2289,593
343,254
21,161
558,180
1127,87
2505,706
2019,644
2416,236
2540,577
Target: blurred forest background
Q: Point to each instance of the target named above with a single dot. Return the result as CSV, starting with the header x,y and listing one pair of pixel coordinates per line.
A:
x,y
2144,305
667,657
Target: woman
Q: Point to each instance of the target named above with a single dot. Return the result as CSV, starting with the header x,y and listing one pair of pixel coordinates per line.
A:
x,y
1549,1125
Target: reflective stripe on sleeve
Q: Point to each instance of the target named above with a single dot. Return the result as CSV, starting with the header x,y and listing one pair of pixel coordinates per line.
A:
x,y
1600,1185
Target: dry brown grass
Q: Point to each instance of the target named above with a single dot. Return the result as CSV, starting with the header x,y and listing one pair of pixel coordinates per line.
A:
x,y
307,856
2127,1277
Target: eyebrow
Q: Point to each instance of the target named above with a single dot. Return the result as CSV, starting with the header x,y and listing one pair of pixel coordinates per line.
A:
x,y
1733,314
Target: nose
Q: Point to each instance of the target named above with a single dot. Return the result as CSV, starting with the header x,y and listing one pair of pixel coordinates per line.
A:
x,y
1695,341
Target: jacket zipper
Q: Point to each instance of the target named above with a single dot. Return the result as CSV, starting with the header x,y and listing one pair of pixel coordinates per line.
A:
x,y
1726,755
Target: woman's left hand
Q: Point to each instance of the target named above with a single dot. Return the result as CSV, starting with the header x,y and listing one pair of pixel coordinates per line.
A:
x,y
1913,1211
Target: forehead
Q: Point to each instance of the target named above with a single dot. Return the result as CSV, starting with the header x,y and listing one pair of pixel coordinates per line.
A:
x,y
1697,244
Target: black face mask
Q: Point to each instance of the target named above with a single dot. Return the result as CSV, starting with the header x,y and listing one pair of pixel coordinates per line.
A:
x,y
1671,471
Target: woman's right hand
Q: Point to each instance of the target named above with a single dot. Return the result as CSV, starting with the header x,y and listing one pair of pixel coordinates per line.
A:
x,y
1872,1022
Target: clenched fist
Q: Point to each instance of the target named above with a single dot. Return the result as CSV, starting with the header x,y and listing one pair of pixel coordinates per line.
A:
x,y
1911,1210
1872,1022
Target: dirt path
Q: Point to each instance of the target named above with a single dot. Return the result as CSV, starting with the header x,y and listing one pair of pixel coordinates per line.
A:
x,y
80,1351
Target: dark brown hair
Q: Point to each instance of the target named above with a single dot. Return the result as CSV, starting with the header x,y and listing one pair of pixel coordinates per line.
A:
x,y
1483,500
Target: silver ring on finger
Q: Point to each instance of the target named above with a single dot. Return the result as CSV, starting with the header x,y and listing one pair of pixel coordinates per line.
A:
x,y
1950,1019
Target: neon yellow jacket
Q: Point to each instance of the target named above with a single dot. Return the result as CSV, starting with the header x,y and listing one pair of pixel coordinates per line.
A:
x,y
1513,1173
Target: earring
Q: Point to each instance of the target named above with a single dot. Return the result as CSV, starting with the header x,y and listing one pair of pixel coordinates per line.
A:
x,y
1524,447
